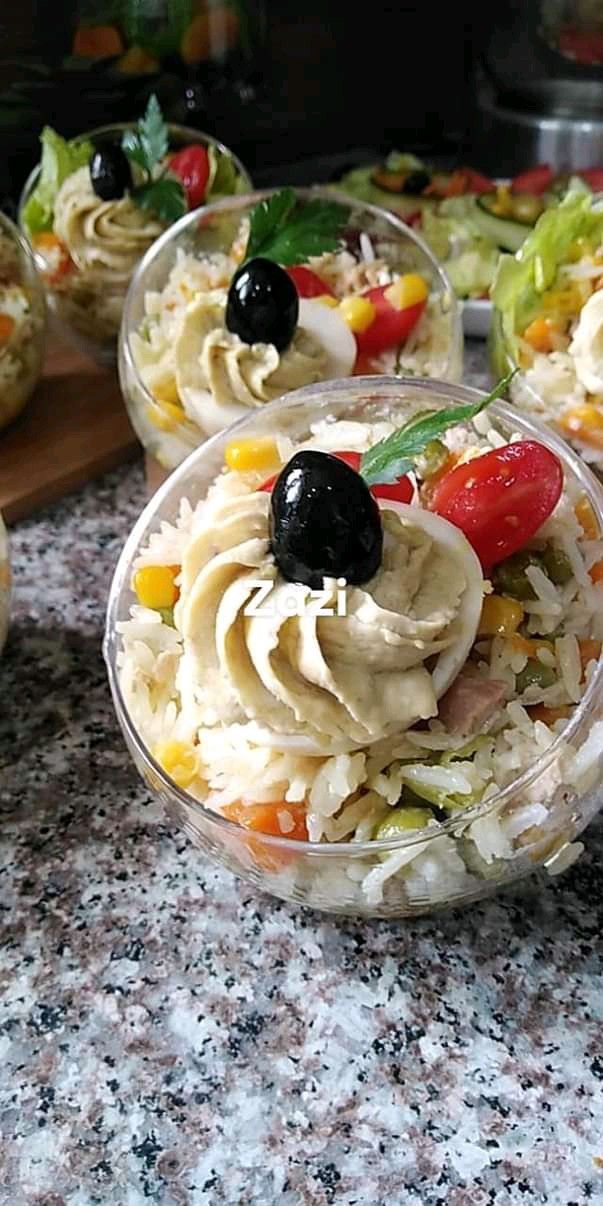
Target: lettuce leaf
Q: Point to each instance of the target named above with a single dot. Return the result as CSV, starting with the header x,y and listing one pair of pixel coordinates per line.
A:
x,y
59,160
521,279
455,238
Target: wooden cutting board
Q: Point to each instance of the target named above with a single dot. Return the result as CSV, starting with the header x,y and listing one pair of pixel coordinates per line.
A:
x,y
74,428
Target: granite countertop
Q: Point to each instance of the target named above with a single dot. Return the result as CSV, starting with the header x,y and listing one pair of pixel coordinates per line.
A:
x,y
167,1035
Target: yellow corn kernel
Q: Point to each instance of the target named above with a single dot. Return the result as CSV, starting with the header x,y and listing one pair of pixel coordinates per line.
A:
x,y
503,205
167,391
165,417
500,616
408,290
178,760
585,421
260,452
327,299
587,518
155,587
358,313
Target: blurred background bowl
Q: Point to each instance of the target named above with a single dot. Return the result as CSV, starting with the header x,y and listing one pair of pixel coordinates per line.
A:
x,y
90,318
22,321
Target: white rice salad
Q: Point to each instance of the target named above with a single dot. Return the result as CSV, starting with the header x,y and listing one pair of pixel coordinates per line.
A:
x,y
21,332
196,374
392,743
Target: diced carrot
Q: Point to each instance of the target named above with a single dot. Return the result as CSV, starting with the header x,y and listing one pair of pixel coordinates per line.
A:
x,y
595,572
7,326
540,334
266,818
56,256
590,651
530,647
587,518
97,42
548,715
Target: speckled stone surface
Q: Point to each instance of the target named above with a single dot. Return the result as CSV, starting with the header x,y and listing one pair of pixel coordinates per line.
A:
x,y
168,1036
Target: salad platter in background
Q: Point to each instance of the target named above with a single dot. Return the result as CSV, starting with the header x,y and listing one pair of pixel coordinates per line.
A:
x,y
466,218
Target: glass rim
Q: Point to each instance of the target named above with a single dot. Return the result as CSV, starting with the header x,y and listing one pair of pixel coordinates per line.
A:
x,y
15,233
385,385
240,201
118,127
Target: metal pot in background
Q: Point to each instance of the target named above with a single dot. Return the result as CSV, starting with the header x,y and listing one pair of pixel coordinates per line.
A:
x,y
540,86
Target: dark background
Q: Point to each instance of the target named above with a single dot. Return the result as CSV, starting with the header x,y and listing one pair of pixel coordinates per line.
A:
x,y
331,82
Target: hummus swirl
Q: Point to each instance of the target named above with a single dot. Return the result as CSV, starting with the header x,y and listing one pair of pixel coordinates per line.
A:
x,y
218,376
105,239
348,680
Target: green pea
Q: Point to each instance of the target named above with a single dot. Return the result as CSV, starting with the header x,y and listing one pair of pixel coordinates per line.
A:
x,y
557,565
398,820
167,615
509,576
432,459
535,674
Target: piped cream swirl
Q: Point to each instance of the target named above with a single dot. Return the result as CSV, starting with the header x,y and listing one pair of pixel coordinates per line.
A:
x,y
105,239
339,681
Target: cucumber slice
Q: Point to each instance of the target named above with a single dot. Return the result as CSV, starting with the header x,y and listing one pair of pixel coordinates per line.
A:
x,y
505,232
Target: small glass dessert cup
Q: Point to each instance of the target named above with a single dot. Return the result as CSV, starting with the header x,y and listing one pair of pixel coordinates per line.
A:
x,y
533,809
22,322
173,411
87,280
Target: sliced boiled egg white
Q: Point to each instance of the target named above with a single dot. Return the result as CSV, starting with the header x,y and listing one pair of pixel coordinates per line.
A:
x,y
325,325
587,345
464,628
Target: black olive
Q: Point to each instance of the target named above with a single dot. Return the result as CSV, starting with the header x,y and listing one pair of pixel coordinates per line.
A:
x,y
262,305
110,173
416,182
324,522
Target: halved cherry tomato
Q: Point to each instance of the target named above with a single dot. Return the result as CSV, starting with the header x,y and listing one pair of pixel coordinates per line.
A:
x,y
476,182
192,166
308,283
593,177
535,180
400,491
501,499
390,326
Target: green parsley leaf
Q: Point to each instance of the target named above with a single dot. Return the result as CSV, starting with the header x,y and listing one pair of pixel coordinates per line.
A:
x,y
165,197
288,231
148,143
394,456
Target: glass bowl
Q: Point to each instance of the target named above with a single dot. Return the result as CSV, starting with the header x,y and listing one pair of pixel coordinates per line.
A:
x,y
5,583
87,309
333,877
22,322
169,433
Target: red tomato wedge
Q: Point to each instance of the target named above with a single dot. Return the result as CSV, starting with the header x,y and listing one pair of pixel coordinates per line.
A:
x,y
390,326
308,283
191,165
501,499
535,180
400,491
593,177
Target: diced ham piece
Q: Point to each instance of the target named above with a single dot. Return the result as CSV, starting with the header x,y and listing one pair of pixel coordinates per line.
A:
x,y
470,702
